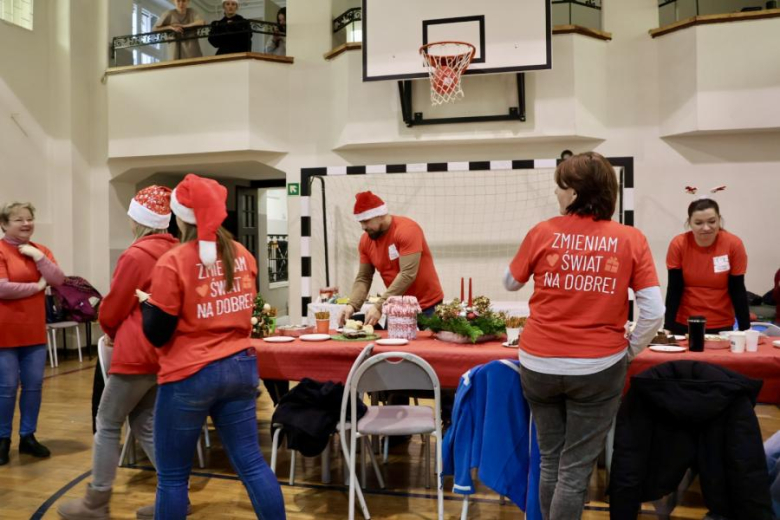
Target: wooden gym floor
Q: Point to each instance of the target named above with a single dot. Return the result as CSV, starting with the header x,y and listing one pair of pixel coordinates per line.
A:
x,y
32,488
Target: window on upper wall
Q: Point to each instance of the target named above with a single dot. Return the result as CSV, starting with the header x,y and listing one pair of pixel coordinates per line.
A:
x,y
143,22
17,12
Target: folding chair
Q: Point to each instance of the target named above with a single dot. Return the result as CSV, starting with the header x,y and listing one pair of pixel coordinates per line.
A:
x,y
393,371
105,353
277,431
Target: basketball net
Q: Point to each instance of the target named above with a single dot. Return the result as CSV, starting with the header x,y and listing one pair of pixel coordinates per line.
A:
x,y
446,62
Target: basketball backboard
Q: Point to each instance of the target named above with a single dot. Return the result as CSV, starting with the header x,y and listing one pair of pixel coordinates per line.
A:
x,y
509,35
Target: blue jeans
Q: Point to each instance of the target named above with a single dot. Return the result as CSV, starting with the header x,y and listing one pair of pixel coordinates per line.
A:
x,y
25,364
227,391
772,450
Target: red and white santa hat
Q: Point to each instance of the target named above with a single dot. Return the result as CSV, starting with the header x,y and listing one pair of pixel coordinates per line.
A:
x,y
201,202
368,206
151,207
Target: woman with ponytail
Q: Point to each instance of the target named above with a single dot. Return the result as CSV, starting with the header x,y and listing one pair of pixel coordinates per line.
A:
x,y
199,316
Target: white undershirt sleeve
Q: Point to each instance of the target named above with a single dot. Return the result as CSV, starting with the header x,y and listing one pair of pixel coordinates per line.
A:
x,y
651,317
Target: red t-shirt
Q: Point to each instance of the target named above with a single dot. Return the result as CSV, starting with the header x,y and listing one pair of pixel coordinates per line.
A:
x,y
22,321
582,270
405,237
214,323
706,273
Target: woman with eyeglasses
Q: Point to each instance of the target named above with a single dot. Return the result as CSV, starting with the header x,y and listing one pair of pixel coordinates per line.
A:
x,y
26,268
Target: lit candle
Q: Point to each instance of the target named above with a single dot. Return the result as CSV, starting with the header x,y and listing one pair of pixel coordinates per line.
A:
x,y
469,291
461,288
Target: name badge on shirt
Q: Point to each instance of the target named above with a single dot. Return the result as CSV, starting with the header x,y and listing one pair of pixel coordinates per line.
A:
x,y
392,252
721,263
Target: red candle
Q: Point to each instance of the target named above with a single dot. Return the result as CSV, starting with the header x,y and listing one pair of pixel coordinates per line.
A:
x,y
469,291
461,288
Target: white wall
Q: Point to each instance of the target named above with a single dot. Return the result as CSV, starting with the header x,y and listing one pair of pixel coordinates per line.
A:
x,y
611,96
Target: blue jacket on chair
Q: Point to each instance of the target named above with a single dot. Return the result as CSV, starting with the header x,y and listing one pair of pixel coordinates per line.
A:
x,y
492,430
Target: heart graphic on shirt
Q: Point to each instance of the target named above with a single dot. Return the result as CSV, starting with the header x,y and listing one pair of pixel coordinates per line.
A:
x,y
202,290
612,265
553,259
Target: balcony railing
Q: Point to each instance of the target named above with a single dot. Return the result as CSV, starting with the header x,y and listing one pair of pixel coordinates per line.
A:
x,y
671,11
584,13
135,42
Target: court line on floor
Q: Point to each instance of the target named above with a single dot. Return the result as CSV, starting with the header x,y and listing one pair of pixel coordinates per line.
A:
x,y
69,372
43,509
56,496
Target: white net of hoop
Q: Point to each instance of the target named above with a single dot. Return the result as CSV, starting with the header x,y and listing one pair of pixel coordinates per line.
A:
x,y
446,63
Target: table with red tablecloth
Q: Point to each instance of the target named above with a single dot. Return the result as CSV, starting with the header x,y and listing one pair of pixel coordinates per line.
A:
x,y
331,360
764,364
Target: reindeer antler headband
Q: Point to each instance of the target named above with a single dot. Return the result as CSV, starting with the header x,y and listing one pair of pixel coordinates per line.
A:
x,y
691,190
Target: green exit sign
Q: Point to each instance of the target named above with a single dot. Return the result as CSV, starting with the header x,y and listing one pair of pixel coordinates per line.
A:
x,y
293,189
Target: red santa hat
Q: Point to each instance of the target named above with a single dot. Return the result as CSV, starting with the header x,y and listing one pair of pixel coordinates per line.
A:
x,y
151,207
368,206
202,203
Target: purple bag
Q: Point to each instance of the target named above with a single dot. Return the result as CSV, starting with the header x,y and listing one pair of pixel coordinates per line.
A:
x,y
73,298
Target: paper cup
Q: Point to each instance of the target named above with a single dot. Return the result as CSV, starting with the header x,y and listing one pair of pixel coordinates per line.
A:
x,y
737,340
751,340
512,334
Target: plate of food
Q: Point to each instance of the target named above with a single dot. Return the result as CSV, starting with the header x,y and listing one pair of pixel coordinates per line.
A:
x,y
354,330
392,342
667,348
513,344
279,339
315,337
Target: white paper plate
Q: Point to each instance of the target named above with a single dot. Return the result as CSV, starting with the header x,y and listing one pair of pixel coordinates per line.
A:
x,y
315,337
776,343
507,345
279,339
392,342
667,348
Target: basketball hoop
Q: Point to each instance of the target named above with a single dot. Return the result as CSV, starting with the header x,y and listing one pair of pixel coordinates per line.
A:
x,y
446,62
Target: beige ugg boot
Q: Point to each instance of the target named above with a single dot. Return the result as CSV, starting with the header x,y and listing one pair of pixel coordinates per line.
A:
x,y
94,506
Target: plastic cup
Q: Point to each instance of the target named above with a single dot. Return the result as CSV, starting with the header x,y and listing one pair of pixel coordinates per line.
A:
x,y
737,340
751,340
323,326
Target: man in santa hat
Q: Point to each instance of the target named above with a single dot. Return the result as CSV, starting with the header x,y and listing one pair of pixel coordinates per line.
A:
x,y
396,247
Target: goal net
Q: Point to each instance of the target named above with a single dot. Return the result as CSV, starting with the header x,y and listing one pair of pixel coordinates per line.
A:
x,y
473,222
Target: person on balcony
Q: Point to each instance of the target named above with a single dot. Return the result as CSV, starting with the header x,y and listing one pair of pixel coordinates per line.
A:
x,y
232,33
278,44
25,270
177,20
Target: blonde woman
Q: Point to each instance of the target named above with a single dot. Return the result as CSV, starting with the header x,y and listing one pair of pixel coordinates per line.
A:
x,y
132,385
25,270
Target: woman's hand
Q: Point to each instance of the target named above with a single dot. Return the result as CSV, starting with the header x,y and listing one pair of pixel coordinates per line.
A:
x,y
142,296
41,283
31,251
177,28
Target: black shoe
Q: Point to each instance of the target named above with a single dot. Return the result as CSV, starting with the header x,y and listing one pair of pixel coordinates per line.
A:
x,y
28,444
5,446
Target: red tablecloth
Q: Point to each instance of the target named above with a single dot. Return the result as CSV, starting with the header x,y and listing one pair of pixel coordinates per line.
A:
x,y
764,364
331,360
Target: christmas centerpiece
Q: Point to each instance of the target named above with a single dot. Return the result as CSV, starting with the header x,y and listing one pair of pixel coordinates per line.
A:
x,y
458,322
263,318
